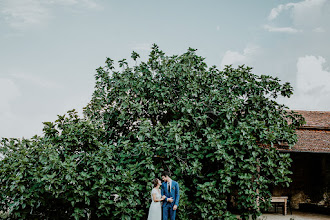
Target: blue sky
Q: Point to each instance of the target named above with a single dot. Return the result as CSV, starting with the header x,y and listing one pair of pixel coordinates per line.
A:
x,y
51,48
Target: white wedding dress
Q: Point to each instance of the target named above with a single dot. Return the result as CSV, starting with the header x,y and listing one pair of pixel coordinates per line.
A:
x,y
155,210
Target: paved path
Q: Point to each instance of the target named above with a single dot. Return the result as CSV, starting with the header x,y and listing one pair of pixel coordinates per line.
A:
x,y
295,216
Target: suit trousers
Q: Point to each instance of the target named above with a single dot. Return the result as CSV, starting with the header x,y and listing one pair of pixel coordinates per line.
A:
x,y
168,212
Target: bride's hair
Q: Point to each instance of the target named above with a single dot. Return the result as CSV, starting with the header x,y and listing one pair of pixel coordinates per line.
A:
x,y
155,182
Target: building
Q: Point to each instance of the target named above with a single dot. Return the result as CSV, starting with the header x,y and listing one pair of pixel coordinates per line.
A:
x,y
311,162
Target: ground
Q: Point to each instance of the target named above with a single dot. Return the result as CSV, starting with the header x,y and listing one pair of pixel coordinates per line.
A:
x,y
296,215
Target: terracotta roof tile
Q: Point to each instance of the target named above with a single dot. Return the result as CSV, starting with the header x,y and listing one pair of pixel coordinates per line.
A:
x,y
316,118
314,136
311,140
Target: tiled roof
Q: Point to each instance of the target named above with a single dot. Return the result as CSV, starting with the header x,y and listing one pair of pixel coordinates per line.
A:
x,y
314,136
316,118
311,141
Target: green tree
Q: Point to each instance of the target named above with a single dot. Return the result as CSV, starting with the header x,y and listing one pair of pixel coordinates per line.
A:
x,y
215,130
70,173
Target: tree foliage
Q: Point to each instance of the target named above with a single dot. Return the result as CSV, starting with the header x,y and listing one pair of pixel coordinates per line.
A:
x,y
215,130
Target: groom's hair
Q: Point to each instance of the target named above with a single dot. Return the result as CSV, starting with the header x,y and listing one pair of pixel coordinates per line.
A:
x,y
166,173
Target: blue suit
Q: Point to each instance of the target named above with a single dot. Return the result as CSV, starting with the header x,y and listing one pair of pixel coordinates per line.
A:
x,y
168,211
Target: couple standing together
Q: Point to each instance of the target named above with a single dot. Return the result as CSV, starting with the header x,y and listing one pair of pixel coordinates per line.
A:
x,y
169,195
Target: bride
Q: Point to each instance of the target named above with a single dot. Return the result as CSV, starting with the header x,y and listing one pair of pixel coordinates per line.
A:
x,y
155,210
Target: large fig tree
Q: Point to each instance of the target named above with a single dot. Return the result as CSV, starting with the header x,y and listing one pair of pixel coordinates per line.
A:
x,y
215,130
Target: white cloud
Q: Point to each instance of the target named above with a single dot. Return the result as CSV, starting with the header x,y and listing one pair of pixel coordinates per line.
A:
x,y
281,29
24,14
299,9
307,14
234,57
311,75
91,4
63,2
36,80
22,111
319,30
276,11
9,91
313,85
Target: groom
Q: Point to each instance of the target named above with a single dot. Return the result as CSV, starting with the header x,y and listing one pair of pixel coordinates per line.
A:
x,y
170,189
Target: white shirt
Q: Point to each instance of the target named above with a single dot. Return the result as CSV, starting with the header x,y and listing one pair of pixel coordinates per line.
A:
x,y
170,183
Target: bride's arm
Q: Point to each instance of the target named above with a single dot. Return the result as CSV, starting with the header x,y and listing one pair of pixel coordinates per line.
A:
x,y
155,199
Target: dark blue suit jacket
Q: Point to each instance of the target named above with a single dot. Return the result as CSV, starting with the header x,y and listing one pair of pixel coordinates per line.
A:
x,y
174,193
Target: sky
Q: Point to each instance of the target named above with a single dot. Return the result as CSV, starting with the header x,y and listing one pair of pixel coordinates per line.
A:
x,y
49,49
